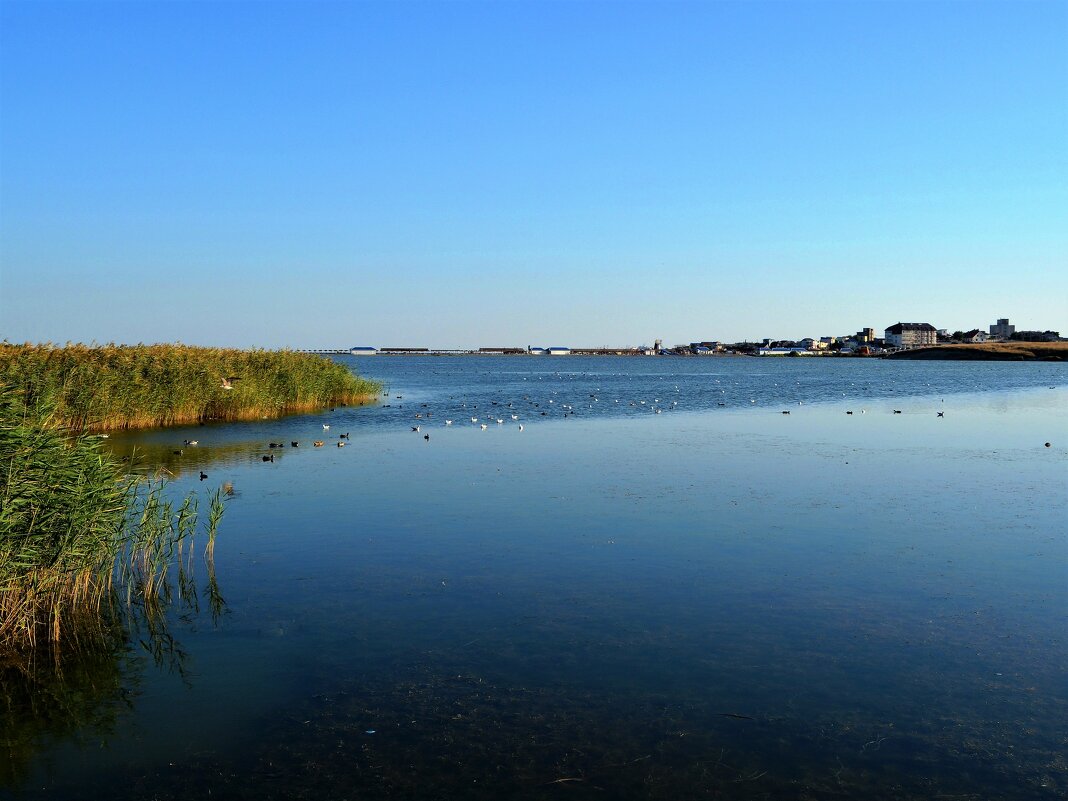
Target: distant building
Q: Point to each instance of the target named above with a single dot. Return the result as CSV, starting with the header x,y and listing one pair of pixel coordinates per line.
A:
x,y
362,350
974,336
798,351
910,335
536,351
558,351
1002,329
865,335
1037,336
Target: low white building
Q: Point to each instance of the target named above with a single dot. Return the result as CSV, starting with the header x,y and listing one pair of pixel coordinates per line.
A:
x,y
786,352
362,350
558,351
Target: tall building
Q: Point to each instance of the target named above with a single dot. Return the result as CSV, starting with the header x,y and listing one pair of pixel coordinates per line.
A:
x,y
910,335
1002,330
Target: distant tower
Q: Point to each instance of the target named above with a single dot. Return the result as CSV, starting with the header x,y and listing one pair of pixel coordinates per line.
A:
x,y
657,345
1003,330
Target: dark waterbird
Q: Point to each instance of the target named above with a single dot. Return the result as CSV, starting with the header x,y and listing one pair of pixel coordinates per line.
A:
x,y
294,444
343,436
269,458
941,414
203,475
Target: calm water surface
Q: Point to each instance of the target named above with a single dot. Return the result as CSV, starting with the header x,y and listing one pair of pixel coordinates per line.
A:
x,y
713,601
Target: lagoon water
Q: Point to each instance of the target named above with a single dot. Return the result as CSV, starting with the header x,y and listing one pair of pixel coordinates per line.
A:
x,y
718,600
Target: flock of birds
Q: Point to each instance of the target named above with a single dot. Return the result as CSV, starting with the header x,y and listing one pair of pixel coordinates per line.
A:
x,y
498,413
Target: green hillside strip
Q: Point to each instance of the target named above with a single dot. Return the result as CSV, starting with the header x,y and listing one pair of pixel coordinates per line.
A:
x,y
990,351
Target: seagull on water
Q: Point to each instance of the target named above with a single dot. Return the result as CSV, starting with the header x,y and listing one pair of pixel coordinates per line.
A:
x,y
326,427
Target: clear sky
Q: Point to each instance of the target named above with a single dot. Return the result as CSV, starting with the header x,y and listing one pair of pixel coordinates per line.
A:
x,y
459,174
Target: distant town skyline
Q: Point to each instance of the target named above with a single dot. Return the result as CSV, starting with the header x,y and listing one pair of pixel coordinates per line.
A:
x,y
531,173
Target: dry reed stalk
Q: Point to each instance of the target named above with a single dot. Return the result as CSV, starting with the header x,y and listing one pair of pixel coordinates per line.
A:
x,y
75,532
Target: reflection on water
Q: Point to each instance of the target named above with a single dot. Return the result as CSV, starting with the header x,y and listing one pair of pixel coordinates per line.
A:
x,y
77,696
727,602
78,692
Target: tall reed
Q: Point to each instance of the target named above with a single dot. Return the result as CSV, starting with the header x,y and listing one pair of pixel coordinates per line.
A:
x,y
77,534
104,387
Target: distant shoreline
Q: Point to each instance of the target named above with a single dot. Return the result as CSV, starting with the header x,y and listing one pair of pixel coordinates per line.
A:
x,y
987,351
990,352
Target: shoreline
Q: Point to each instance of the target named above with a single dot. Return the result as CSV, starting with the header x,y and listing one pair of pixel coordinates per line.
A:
x,y
989,352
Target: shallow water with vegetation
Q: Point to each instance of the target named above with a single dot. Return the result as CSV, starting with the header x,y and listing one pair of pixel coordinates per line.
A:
x,y
712,601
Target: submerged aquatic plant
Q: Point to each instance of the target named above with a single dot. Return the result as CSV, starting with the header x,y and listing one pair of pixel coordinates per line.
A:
x,y
103,387
81,541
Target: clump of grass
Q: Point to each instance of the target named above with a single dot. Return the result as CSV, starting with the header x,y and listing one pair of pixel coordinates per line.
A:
x,y
79,538
105,387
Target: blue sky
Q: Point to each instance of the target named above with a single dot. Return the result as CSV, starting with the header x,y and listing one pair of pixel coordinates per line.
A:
x,y
462,174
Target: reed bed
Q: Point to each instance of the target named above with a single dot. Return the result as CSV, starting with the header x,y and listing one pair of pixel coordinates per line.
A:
x,y
82,543
106,387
